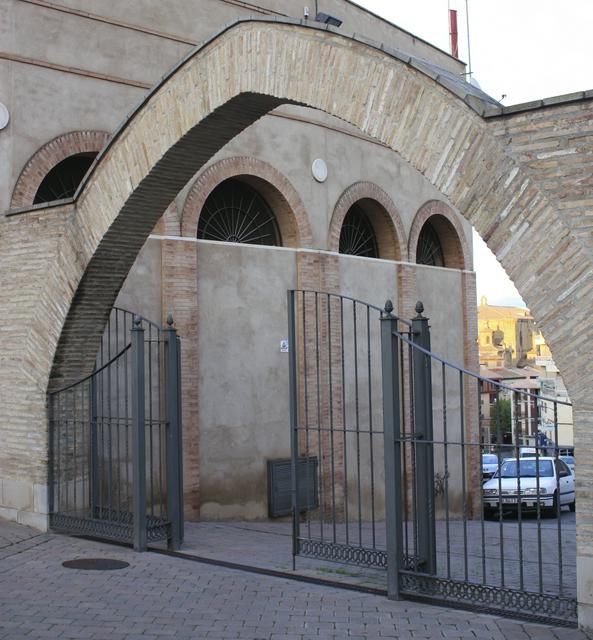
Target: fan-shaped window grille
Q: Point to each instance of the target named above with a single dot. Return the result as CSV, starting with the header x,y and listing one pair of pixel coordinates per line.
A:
x,y
235,212
429,250
63,180
357,236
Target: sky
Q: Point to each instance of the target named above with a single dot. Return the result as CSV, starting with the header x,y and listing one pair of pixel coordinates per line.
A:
x,y
522,49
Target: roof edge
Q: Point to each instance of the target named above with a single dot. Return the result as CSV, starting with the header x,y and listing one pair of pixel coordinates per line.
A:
x,y
533,105
409,33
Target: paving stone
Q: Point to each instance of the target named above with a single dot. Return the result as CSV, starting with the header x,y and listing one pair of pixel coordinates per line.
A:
x,y
163,597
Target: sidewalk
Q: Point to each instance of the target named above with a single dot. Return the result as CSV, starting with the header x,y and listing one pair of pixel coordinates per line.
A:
x,y
159,596
269,545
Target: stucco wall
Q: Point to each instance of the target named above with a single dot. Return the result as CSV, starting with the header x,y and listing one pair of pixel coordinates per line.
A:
x,y
242,375
441,291
142,292
243,389
88,71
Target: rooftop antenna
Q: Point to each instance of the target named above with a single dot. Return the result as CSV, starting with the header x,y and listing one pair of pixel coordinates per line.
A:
x,y
469,55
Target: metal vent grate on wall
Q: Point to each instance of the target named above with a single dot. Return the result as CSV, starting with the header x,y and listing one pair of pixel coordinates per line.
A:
x,y
280,486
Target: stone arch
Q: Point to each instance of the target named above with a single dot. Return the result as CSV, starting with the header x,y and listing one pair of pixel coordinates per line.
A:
x,y
46,158
448,228
383,216
273,186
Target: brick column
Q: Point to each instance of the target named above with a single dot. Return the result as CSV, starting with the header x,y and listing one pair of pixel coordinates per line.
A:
x,y
472,398
180,290
321,272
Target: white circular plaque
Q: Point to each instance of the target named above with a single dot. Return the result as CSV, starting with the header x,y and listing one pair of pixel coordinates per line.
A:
x,y
4,117
319,170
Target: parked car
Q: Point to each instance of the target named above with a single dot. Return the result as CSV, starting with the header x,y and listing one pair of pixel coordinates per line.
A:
x,y
569,462
489,465
519,483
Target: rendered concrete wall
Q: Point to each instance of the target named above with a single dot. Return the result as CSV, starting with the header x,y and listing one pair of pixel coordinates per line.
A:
x,y
197,20
243,376
441,291
243,415
100,68
142,290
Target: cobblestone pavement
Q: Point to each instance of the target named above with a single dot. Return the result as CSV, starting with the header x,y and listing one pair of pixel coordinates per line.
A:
x,y
15,539
269,545
160,596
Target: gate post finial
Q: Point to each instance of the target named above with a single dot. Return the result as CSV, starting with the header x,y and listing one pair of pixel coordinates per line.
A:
x,y
388,310
419,309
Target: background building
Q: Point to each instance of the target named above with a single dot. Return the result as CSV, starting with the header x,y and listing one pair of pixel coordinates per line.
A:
x,y
506,335
513,351
299,199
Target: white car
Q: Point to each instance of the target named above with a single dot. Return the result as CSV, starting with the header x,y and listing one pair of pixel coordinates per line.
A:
x,y
569,461
489,465
520,478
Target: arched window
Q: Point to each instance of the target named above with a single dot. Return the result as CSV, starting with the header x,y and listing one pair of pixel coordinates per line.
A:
x,y
62,180
357,237
235,212
429,250
437,237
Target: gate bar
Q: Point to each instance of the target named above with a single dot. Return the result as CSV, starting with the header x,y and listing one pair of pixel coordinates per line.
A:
x,y
424,448
392,449
294,436
138,436
174,500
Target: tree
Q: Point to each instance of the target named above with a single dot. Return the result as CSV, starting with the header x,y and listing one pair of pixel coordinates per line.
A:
x,y
500,420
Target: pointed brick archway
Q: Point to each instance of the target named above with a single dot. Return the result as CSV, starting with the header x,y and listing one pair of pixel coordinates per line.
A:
x,y
66,265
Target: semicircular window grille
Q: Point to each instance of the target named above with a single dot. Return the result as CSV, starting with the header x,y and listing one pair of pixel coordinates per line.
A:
x,y
429,250
63,179
236,212
357,237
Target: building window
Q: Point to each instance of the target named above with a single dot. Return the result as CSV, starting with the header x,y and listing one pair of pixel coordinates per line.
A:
x,y
236,212
63,179
357,236
429,250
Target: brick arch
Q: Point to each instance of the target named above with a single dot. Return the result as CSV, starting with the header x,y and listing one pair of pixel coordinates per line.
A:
x,y
272,184
383,215
450,232
248,70
46,158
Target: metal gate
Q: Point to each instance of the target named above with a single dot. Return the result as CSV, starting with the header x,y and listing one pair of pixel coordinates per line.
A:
x,y
115,439
400,434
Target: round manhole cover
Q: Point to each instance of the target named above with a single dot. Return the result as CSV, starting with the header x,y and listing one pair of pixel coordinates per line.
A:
x,y
95,564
